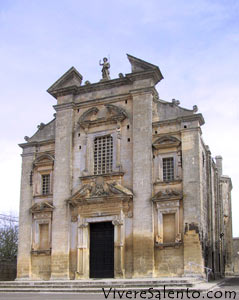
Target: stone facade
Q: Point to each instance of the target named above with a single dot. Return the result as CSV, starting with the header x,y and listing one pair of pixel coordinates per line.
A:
x,y
236,256
116,153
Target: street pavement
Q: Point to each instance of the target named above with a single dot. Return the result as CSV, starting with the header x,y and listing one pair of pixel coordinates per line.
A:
x,y
228,289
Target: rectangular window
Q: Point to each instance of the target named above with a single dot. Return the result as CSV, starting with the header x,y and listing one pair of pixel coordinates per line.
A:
x,y
168,169
169,228
103,154
45,184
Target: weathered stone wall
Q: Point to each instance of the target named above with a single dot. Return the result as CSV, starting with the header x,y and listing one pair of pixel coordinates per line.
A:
x,y
169,261
41,267
235,262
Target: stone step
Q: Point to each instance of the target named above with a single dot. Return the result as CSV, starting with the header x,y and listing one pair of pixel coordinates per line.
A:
x,y
94,283
94,286
93,290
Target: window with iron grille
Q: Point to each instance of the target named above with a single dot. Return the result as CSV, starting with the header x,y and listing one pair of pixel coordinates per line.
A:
x,y
103,154
168,169
45,184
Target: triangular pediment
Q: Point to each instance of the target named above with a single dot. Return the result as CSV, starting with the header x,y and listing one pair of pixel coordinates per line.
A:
x,y
42,206
140,65
100,191
72,78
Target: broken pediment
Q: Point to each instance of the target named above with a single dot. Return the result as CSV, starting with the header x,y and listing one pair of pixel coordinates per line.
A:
x,y
139,65
166,141
72,78
167,194
100,191
42,207
108,114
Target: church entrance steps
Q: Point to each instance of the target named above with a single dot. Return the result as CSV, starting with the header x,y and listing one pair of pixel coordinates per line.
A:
x,y
95,286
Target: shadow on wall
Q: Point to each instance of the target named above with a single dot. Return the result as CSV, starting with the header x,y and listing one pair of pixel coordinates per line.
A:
x,y
8,269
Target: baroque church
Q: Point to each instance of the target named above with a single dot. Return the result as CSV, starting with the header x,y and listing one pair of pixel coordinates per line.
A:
x,y
120,184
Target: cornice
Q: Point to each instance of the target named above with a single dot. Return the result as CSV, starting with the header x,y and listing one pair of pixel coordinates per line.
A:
x,y
154,74
103,100
113,174
189,118
92,87
145,90
35,144
64,106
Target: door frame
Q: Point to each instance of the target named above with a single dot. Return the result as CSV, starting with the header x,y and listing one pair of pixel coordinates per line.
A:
x,y
83,247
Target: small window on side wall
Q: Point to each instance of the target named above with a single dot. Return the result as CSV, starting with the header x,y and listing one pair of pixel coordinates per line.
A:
x,y
45,184
168,169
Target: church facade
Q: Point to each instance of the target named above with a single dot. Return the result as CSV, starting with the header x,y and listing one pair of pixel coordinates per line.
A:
x,y
121,185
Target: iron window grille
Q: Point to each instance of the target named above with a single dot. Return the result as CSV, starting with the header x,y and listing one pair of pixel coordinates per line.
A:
x,y
168,169
103,154
45,184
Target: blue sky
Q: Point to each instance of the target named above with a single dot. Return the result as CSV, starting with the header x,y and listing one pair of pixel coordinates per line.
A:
x,y
195,43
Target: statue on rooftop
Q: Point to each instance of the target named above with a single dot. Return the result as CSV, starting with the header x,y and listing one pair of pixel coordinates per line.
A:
x,y
105,69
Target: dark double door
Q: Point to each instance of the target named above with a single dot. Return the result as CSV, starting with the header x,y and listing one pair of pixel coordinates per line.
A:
x,y
102,250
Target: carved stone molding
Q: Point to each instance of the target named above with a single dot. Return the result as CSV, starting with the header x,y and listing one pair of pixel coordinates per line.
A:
x,y
167,194
84,225
46,206
117,222
74,218
99,190
116,115
166,141
164,208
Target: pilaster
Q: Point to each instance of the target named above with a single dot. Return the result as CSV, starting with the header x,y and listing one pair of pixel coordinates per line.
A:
x,y
193,260
61,192
143,238
25,218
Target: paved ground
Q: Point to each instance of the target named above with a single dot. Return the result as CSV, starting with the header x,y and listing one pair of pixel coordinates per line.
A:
x,y
229,289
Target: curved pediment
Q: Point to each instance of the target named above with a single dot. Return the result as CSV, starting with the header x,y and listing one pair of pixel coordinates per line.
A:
x,y
166,141
44,159
108,114
167,195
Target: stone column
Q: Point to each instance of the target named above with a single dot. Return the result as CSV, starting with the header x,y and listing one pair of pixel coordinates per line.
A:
x,y
61,192
25,218
119,241
191,201
143,237
83,251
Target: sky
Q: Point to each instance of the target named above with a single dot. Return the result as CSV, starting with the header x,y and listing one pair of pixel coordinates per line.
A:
x,y
195,44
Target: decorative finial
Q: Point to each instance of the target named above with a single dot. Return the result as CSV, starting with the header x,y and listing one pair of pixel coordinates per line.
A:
x,y
121,75
175,102
105,69
87,82
195,108
26,138
41,126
